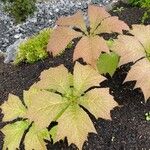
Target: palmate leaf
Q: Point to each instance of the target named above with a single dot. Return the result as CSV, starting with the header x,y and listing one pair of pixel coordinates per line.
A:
x,y
132,48
91,44
45,103
71,116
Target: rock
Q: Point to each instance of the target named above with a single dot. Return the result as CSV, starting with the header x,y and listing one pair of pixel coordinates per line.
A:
x,y
17,36
11,51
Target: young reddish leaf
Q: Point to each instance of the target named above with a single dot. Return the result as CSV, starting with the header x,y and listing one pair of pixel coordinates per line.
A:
x,y
96,15
74,124
34,140
85,77
141,73
55,79
129,48
45,107
111,24
89,48
142,33
61,37
98,102
90,45
13,134
75,20
13,108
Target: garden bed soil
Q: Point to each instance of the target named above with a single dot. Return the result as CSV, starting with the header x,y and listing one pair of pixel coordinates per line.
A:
x,y
128,129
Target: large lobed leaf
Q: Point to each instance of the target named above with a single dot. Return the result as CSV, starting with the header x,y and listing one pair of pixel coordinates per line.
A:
x,y
43,106
72,117
91,44
132,48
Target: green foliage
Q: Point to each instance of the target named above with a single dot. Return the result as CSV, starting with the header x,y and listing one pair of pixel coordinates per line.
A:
x,y
20,9
135,2
107,63
118,9
147,115
143,4
34,48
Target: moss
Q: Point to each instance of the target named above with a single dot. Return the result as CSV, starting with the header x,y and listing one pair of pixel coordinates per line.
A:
x,y
34,48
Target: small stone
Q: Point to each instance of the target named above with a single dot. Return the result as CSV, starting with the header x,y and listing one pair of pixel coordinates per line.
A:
x,y
17,36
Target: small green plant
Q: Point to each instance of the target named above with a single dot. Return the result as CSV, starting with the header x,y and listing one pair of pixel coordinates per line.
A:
x,y
143,4
58,96
20,9
107,63
34,48
118,9
147,115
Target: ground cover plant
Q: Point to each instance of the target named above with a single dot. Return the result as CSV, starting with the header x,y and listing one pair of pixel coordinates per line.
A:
x,y
91,44
34,48
58,96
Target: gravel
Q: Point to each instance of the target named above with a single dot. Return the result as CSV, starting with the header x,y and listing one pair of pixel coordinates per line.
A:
x,y
45,16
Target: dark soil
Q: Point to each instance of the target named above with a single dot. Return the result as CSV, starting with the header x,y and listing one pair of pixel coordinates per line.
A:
x,y
128,129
